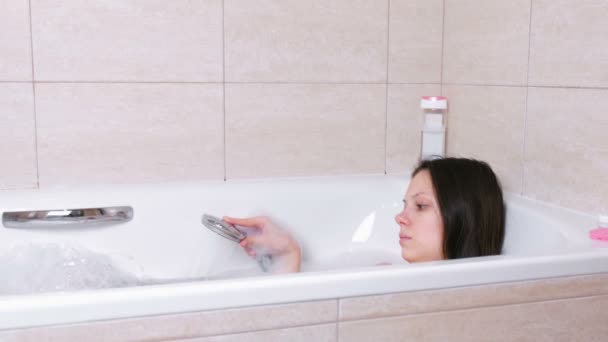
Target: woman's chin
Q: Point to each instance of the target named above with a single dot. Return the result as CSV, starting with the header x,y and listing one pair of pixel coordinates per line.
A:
x,y
407,256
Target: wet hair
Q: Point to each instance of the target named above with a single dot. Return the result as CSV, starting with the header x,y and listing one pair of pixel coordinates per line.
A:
x,y
471,205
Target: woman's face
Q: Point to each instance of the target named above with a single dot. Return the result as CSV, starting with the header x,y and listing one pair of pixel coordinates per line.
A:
x,y
420,222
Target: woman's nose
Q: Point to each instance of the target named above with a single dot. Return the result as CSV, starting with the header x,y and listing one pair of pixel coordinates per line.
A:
x,y
402,217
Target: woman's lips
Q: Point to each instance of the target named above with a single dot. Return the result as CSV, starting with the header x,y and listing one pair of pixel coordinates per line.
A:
x,y
403,238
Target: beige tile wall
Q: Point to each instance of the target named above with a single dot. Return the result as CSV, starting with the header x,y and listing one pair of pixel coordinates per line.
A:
x,y
566,155
415,36
320,333
487,122
545,132
232,88
97,132
311,41
17,136
486,42
127,40
304,129
581,319
277,320
15,41
566,162
569,44
423,302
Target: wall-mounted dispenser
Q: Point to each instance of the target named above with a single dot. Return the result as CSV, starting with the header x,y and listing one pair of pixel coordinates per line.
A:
x,y
434,110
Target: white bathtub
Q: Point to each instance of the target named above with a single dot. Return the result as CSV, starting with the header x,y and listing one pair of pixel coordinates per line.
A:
x,y
345,225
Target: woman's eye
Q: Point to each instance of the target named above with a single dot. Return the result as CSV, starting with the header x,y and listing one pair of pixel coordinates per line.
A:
x,y
421,206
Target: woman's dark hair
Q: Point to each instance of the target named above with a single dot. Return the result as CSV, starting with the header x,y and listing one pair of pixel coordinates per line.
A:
x,y
471,206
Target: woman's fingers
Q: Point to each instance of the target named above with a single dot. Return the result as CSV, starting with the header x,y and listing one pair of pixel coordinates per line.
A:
x,y
251,241
250,251
250,245
250,222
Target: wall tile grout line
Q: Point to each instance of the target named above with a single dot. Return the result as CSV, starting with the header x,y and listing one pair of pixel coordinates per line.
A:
x,y
34,96
31,40
447,118
126,82
388,50
566,87
319,83
338,319
224,80
525,132
209,82
524,85
485,85
442,48
414,83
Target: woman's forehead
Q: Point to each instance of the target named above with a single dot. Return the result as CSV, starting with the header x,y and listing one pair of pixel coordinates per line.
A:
x,y
421,185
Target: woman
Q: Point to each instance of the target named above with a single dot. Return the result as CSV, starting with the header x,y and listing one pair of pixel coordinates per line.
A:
x,y
453,208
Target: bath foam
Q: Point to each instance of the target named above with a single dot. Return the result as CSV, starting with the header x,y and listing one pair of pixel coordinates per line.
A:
x,y
36,268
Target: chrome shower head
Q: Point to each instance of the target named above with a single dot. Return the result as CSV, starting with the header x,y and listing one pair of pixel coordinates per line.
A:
x,y
223,228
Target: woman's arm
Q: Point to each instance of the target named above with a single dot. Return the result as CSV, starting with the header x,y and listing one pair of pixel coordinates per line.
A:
x,y
269,238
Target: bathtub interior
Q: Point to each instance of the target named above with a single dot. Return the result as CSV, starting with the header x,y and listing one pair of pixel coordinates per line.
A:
x,y
341,222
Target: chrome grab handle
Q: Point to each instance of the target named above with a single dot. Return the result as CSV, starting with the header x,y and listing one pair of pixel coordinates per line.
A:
x,y
66,217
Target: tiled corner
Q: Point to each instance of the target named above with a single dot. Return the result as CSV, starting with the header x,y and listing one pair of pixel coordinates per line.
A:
x,y
311,41
568,43
17,137
127,40
239,322
304,129
487,123
486,42
15,42
129,133
543,321
415,41
408,303
318,333
404,125
566,152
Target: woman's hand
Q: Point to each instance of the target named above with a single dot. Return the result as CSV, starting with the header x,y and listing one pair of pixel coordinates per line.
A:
x,y
268,238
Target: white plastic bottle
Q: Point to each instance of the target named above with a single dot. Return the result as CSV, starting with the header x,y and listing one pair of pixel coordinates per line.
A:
x,y
434,110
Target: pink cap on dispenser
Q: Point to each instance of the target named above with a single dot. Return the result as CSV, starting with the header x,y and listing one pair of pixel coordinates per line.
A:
x,y
600,233
434,102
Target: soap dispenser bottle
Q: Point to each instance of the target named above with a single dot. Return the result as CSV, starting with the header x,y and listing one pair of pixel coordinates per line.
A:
x,y
434,109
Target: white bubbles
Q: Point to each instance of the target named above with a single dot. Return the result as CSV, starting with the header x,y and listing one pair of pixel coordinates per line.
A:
x,y
52,267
